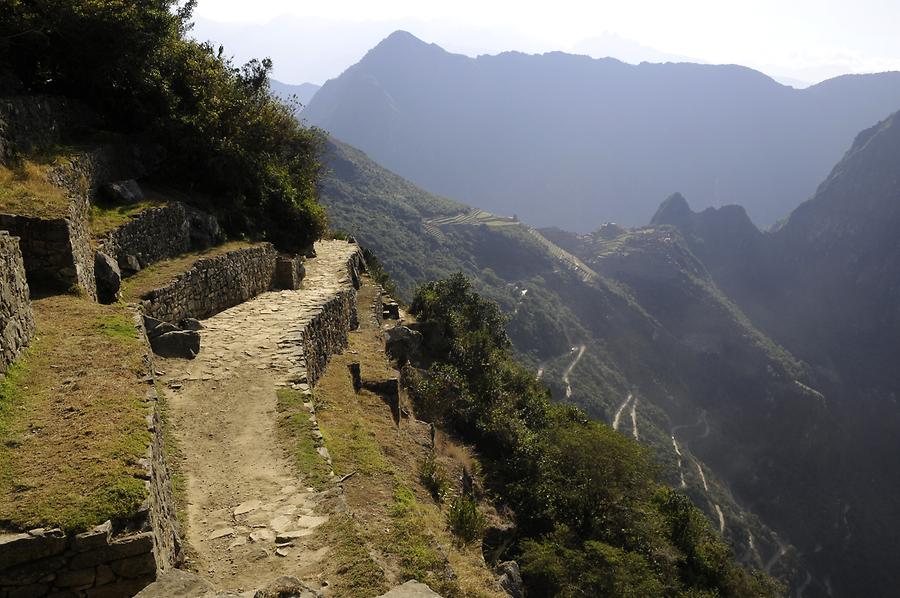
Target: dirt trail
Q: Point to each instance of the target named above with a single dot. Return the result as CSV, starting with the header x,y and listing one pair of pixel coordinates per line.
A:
x,y
241,492
634,428
615,423
569,369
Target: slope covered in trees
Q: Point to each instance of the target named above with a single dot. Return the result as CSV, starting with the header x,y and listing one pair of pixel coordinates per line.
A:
x,y
591,519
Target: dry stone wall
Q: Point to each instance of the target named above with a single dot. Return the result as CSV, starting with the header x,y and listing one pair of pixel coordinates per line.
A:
x,y
57,252
33,123
327,331
16,317
213,285
104,562
152,235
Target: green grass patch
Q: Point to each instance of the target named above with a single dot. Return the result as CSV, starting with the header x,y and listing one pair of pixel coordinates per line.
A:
x,y
296,432
354,447
117,326
72,420
410,541
358,576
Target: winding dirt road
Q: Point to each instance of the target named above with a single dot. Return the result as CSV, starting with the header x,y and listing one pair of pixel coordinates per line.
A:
x,y
569,369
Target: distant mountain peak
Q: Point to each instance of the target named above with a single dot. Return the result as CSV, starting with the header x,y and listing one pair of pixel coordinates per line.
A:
x,y
400,40
673,210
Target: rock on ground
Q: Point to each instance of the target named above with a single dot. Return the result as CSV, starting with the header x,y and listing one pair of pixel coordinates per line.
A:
x,y
411,589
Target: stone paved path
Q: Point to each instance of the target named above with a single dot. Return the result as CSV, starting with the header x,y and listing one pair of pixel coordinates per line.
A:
x,y
247,513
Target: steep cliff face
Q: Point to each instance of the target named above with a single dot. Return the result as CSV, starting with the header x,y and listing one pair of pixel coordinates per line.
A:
x,y
825,286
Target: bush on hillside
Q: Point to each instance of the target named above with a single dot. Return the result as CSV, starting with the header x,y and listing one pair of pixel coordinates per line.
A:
x,y
223,133
592,520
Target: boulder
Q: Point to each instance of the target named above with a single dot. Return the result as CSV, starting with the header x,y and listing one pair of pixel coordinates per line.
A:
x,y
204,229
411,589
511,579
122,192
176,583
108,276
402,343
184,344
191,324
287,587
129,264
157,327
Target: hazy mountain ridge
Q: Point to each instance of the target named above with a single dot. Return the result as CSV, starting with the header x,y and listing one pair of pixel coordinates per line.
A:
x,y
604,138
303,92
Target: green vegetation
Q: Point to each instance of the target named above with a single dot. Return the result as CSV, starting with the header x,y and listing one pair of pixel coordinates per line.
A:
x,y
465,520
222,132
358,575
296,430
591,517
63,460
434,477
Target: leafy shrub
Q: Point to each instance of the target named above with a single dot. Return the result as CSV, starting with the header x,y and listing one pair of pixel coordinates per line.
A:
x,y
433,477
465,520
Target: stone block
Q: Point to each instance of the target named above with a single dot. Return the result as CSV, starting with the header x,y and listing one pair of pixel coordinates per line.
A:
x,y
98,537
122,548
30,591
75,578
37,544
135,566
355,375
184,344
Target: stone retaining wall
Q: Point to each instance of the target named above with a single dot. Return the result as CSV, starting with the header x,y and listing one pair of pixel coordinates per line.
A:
x,y
213,285
57,252
103,562
16,317
327,332
33,123
152,235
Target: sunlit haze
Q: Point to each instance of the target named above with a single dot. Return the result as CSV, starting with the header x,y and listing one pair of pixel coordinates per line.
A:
x,y
801,41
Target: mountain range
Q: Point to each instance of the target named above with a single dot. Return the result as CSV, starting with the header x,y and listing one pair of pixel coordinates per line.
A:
x,y
597,139
706,339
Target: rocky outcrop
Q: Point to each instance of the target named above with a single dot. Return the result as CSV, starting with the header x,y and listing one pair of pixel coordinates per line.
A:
x,y
16,317
213,284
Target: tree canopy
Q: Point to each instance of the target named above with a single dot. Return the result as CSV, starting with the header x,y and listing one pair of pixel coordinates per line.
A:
x,y
222,133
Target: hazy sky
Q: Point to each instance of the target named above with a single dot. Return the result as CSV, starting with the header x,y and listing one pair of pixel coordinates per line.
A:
x,y
808,40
